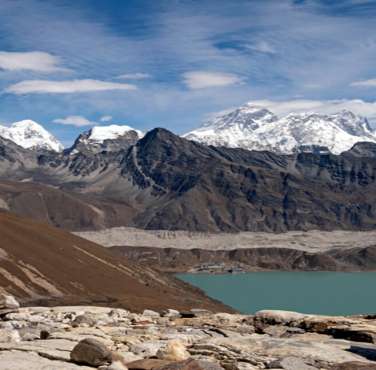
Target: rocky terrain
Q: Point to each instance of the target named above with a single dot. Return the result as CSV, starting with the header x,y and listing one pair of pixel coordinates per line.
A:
x,y
41,264
82,337
183,251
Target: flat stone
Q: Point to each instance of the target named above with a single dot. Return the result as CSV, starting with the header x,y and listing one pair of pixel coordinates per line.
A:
x,y
192,364
18,360
117,365
353,366
147,364
278,316
150,313
294,363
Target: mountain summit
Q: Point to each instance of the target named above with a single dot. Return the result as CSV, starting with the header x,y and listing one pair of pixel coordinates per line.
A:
x,y
256,128
31,135
110,138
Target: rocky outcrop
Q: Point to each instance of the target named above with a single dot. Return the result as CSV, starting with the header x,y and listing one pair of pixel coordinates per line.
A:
x,y
122,340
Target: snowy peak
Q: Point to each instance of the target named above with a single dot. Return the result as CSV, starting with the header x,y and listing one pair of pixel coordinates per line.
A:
x,y
353,124
247,117
31,135
99,134
256,128
231,128
110,138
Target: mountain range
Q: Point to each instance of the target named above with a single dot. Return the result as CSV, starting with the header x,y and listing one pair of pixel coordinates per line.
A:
x,y
163,181
248,127
256,128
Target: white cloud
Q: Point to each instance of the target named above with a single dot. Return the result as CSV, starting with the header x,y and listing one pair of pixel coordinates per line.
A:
x,y
262,47
357,106
106,118
204,79
65,87
77,121
134,76
33,61
365,83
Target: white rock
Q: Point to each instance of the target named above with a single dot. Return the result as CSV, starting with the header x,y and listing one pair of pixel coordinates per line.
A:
x,y
150,313
174,351
279,316
9,336
171,313
8,302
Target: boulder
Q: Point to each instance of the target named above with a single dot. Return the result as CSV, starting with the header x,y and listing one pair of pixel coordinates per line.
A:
x,y
83,320
8,303
44,334
174,351
91,352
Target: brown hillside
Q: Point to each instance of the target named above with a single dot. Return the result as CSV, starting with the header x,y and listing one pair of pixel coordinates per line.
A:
x,y
41,264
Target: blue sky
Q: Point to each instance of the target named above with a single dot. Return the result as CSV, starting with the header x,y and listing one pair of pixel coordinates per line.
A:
x,y
71,64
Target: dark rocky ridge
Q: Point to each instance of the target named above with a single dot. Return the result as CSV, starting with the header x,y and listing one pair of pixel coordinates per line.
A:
x,y
253,259
167,182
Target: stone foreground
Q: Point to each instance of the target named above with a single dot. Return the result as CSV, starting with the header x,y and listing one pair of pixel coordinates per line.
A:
x,y
69,338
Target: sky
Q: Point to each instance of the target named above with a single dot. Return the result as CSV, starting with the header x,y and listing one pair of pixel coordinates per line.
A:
x,y
71,64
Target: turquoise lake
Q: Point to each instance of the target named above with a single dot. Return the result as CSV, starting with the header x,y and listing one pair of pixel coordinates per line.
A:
x,y
331,293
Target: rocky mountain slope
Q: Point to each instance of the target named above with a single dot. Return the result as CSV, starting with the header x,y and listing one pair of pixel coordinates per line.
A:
x,y
256,128
168,182
40,263
67,210
83,338
30,135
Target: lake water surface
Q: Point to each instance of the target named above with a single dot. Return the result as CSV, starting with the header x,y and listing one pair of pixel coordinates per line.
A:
x,y
331,293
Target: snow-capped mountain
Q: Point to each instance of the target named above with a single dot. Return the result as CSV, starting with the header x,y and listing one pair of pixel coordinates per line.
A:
x,y
256,128
31,135
112,137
